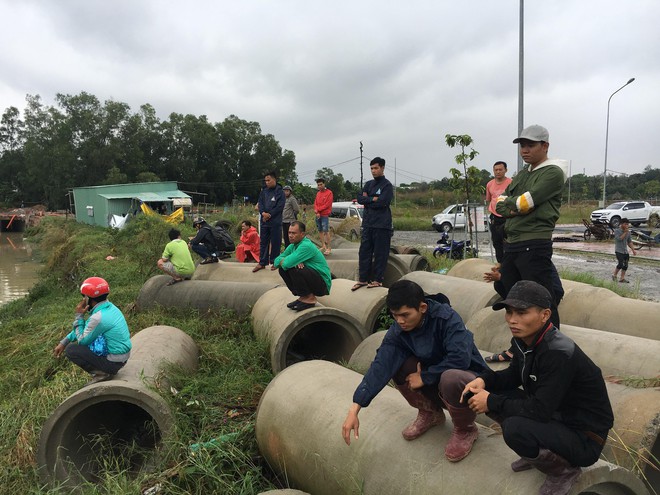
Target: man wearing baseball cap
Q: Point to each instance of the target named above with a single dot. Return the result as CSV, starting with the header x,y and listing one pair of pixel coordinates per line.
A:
x,y
530,205
560,419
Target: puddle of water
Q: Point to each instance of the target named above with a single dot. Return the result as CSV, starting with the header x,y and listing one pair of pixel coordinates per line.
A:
x,y
18,268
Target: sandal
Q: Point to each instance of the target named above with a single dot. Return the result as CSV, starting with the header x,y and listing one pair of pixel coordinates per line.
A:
x,y
371,285
358,285
174,281
502,357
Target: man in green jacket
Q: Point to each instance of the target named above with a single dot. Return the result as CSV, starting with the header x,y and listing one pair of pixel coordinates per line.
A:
x,y
303,269
530,205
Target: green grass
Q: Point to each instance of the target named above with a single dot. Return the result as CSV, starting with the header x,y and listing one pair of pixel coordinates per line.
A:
x,y
588,278
219,398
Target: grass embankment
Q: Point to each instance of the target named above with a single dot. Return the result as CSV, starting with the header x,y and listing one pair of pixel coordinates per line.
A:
x,y
220,398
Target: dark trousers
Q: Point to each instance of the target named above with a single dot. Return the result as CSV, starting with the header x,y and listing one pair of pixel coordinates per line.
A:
x,y
82,356
285,234
497,236
622,261
270,242
447,391
203,250
530,264
304,281
374,251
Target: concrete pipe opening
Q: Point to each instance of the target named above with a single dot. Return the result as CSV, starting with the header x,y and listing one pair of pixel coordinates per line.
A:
x,y
318,333
115,425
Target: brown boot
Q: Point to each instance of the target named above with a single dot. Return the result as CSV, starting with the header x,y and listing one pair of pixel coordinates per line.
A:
x,y
464,435
560,474
428,414
520,465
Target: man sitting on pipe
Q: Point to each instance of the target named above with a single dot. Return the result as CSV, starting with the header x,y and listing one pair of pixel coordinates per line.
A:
x,y
303,269
561,417
176,260
431,356
100,345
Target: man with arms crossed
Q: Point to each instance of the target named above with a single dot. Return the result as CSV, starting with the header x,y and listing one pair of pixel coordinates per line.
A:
x,y
561,417
494,189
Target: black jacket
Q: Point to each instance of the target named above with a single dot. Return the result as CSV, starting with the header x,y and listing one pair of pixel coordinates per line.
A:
x,y
560,381
377,214
204,236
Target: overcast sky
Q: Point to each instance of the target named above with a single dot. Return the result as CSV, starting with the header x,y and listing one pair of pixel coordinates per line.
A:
x,y
323,76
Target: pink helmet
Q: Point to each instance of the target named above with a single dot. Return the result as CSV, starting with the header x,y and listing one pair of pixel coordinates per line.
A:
x,y
94,287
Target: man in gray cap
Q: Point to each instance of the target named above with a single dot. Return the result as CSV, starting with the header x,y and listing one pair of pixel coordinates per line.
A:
x,y
290,213
530,205
560,419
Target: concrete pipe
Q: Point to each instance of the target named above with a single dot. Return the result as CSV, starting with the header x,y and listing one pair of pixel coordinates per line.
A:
x,y
298,430
348,269
236,272
127,409
365,305
466,296
471,269
317,333
203,295
414,262
408,261
636,415
615,354
405,250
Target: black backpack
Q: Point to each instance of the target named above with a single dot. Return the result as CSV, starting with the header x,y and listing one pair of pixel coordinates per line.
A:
x,y
223,241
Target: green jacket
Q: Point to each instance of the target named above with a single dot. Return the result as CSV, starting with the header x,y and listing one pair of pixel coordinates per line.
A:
x,y
308,254
531,202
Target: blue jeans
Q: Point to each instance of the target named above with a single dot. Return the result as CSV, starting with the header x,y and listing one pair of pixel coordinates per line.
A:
x,y
203,250
322,224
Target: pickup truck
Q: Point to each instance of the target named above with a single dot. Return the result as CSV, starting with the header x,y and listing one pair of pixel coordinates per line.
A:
x,y
638,212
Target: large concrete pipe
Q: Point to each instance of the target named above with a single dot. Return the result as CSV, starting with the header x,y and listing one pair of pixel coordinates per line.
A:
x,y
411,261
414,262
348,269
365,305
317,333
587,306
636,431
298,431
236,272
615,354
203,295
127,410
405,250
466,296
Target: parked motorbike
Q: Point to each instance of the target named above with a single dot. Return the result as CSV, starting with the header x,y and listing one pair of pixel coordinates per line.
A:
x,y
456,250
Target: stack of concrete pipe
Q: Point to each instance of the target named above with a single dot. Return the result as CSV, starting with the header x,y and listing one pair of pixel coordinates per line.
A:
x,y
298,431
318,333
411,261
204,295
636,411
236,272
587,306
128,407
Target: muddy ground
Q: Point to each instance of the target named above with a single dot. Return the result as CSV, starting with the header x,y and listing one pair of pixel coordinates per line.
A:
x,y
643,271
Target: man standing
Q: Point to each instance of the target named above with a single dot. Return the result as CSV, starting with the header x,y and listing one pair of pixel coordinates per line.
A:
x,y
431,356
176,260
290,213
303,269
530,205
376,227
203,243
561,417
100,345
271,206
323,208
622,240
494,189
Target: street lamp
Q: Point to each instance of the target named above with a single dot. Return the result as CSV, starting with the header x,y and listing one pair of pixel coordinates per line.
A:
x,y
607,134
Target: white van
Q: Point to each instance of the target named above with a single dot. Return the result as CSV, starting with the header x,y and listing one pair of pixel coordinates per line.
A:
x,y
343,211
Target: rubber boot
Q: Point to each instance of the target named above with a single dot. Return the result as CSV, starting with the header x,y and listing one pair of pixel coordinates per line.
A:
x,y
560,474
464,435
428,414
520,465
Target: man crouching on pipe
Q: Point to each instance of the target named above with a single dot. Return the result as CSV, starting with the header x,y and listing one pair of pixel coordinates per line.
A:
x,y
561,417
431,356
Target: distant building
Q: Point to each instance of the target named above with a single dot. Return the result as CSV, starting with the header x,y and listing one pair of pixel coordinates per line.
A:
x,y
96,205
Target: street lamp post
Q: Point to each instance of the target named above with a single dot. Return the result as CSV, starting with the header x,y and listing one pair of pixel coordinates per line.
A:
x,y
607,135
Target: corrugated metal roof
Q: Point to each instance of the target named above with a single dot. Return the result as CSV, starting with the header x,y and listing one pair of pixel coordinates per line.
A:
x,y
147,196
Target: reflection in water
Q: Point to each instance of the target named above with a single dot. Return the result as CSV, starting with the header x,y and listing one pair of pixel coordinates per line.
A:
x,y
18,269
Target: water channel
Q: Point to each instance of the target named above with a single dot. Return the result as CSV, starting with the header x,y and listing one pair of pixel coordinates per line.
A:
x,y
18,266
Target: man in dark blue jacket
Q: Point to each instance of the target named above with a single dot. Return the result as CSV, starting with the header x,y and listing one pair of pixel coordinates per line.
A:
x,y
431,356
561,417
377,227
271,206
